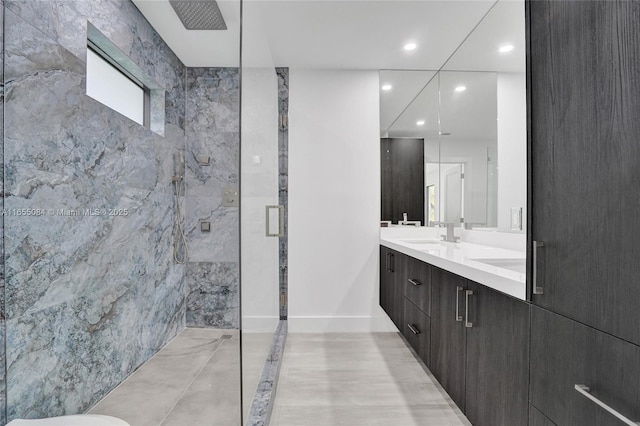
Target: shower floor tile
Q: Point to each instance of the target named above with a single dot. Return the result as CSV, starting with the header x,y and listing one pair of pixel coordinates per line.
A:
x,y
194,380
358,379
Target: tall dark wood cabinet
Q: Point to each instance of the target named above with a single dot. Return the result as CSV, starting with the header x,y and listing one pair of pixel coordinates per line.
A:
x,y
584,94
402,166
585,155
566,353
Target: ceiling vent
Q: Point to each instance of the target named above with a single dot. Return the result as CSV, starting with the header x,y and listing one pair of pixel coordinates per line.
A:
x,y
199,14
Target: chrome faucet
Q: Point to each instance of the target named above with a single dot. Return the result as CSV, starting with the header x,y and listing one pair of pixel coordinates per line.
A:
x,y
450,238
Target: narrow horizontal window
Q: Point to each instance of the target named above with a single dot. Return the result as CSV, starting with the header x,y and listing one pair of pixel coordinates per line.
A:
x,y
111,87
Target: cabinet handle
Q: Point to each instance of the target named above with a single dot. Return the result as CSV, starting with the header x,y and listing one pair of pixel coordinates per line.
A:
x,y
536,289
414,282
392,261
458,316
466,309
413,329
584,390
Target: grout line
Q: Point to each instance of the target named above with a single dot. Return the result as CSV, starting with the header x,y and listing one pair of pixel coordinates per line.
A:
x,y
195,377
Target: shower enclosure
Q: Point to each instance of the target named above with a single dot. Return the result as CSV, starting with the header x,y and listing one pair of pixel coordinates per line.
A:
x,y
140,271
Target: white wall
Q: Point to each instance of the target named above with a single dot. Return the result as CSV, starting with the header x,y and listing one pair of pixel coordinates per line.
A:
x,y
334,202
512,147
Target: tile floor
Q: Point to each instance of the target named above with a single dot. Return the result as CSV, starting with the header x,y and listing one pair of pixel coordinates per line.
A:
x,y
325,380
358,379
193,381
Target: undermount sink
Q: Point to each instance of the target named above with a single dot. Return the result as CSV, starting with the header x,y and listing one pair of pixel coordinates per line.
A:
x,y
512,264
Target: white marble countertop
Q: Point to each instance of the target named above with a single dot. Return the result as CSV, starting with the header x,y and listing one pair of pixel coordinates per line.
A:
x,y
499,266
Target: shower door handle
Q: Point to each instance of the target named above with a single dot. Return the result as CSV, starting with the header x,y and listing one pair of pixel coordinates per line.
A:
x,y
280,232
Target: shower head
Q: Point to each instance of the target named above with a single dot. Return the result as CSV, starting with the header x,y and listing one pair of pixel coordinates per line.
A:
x,y
199,14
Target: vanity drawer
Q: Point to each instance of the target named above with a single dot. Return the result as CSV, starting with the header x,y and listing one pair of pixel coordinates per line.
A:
x,y
565,353
417,284
417,330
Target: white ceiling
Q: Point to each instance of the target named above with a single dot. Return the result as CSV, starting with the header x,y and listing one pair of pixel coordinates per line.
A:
x,y
197,48
365,34
405,85
359,34
504,24
338,34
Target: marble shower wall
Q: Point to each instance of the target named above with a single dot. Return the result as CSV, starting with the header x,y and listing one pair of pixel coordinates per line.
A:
x,y
283,185
3,399
88,298
212,130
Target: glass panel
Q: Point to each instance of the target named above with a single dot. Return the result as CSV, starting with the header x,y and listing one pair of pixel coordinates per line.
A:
x,y
261,217
468,133
492,61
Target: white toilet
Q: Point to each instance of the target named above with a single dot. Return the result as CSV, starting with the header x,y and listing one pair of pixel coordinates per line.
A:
x,y
77,420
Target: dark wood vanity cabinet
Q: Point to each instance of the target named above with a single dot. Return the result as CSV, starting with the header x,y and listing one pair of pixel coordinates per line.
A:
x,y
417,330
480,349
405,294
473,339
417,284
448,333
402,185
497,360
392,269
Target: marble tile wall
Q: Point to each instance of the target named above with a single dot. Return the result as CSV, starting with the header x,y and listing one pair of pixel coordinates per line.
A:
x,y
88,298
283,183
212,130
3,401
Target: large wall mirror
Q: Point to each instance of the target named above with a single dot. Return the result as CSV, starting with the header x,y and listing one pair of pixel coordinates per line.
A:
x,y
472,116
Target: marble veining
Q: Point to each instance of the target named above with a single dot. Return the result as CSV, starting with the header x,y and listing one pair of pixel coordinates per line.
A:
x,y
283,180
3,396
264,398
89,297
213,298
212,130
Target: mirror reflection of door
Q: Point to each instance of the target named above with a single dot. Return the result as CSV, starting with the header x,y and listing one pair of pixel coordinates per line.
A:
x,y
431,204
453,194
432,182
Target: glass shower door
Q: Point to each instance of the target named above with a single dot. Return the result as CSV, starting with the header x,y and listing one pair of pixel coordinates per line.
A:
x,y
262,216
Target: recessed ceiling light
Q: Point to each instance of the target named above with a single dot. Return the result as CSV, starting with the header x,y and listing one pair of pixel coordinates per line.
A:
x,y
410,46
506,48
420,122
386,87
460,88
